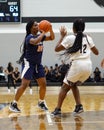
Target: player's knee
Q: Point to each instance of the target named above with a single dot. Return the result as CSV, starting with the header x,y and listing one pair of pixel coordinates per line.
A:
x,y
65,88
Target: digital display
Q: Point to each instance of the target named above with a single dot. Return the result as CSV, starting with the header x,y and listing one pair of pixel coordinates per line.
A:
x,y
9,10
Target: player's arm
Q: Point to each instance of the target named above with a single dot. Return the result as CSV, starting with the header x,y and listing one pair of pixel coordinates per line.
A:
x,y
92,46
102,63
51,36
63,33
59,47
37,40
95,50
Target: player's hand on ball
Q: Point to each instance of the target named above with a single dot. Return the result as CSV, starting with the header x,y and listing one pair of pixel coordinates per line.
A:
x,y
45,25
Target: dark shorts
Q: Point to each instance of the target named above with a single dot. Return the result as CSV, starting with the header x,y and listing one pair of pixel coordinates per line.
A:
x,y
30,71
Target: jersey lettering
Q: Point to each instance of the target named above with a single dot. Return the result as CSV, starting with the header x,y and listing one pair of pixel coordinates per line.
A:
x,y
83,49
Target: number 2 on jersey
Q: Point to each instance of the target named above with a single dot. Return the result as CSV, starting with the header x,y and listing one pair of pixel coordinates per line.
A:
x,y
83,50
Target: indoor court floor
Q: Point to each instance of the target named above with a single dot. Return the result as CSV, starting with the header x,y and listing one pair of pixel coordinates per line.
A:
x,y
32,118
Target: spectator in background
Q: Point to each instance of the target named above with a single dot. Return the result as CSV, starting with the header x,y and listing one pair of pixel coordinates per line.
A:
x,y
90,79
97,75
16,77
2,74
57,74
10,79
51,73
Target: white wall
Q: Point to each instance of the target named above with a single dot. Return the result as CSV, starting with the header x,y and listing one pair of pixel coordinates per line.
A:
x,y
10,46
60,8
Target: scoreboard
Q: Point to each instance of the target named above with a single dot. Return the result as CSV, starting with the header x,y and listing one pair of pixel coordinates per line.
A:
x,y
10,11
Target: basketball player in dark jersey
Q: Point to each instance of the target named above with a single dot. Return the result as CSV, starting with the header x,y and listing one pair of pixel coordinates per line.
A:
x,y
31,63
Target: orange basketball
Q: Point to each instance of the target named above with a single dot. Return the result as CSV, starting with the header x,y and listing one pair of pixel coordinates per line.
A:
x,y
44,25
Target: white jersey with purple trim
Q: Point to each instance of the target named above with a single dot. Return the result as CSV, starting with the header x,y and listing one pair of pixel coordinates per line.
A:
x,y
87,44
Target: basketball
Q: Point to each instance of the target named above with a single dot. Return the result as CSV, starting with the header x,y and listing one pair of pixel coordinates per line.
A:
x,y
44,25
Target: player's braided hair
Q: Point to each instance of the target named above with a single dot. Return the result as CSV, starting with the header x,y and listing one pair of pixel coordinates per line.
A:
x,y
23,45
78,27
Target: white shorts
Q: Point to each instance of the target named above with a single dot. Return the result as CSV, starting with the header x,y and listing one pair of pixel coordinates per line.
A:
x,y
80,70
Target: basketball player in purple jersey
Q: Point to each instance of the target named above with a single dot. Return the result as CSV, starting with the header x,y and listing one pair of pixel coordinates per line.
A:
x,y
31,63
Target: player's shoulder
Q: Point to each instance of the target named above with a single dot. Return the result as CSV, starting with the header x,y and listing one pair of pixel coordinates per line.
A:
x,y
88,36
70,37
28,37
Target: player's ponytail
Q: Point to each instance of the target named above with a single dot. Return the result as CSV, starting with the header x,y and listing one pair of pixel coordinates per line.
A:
x,y
78,27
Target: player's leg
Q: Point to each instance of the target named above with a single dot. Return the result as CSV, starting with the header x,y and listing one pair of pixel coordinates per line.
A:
x,y
42,91
62,94
13,107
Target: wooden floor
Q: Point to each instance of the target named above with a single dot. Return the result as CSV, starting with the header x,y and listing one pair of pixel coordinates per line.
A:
x,y
32,118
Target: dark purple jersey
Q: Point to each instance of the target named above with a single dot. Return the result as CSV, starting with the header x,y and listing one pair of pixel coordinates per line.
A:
x,y
33,53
